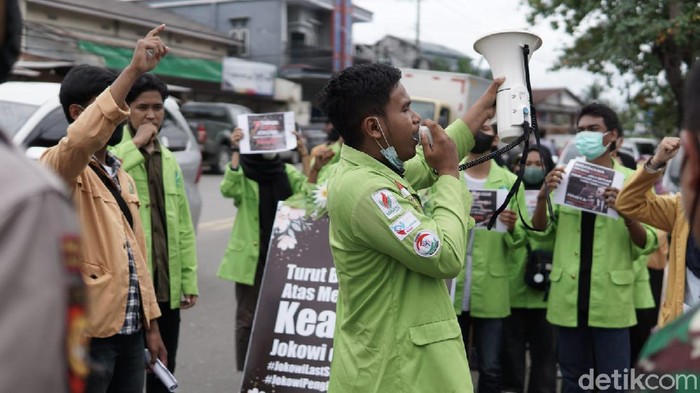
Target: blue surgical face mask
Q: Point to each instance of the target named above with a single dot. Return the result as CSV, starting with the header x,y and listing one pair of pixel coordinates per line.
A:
x,y
389,152
533,175
590,144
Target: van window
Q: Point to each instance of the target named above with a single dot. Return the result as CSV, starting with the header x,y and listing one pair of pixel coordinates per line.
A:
x,y
425,109
49,131
13,115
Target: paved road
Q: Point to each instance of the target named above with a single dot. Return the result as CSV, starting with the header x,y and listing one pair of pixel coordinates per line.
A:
x,y
206,356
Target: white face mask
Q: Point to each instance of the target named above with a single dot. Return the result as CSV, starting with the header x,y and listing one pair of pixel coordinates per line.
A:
x,y
268,156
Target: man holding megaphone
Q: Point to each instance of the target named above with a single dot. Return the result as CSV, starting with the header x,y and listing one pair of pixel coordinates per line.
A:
x,y
396,328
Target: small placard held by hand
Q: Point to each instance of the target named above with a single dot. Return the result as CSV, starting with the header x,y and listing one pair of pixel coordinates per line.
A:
x,y
267,132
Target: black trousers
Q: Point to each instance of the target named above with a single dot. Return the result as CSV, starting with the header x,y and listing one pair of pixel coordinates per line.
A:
x,y
522,327
246,302
169,326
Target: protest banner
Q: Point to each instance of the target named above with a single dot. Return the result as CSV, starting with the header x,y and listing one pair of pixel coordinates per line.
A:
x,y
531,201
267,132
583,185
484,205
291,344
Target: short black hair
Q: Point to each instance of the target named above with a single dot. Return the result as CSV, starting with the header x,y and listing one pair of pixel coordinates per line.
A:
x,y
356,93
82,84
147,82
595,109
691,102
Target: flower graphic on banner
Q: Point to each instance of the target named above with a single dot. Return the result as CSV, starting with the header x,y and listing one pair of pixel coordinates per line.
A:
x,y
286,242
288,222
319,199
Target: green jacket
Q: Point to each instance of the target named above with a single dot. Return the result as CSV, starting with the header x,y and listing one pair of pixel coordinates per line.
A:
x,y
241,257
493,257
396,330
182,251
521,295
612,294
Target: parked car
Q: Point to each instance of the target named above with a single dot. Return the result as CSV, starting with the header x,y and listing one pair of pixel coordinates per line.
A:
x,y
212,123
638,147
32,116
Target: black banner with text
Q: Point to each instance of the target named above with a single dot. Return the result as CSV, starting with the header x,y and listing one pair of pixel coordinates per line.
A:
x,y
291,344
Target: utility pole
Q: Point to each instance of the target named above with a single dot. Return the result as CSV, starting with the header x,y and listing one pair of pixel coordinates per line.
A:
x,y
418,52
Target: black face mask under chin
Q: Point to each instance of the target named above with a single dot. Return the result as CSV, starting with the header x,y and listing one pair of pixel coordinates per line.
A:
x,y
116,135
482,143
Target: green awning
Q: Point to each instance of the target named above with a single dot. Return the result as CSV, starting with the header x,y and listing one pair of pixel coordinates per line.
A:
x,y
171,65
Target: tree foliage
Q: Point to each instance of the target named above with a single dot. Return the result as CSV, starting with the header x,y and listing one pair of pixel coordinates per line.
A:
x,y
654,41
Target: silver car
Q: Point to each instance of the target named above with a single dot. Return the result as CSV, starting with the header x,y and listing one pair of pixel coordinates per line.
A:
x,y
32,116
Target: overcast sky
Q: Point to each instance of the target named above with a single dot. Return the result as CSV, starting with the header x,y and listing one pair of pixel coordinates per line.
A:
x,y
458,23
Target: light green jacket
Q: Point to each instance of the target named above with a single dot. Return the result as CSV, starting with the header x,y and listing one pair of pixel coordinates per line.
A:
x,y
612,294
240,260
521,295
182,251
396,330
493,257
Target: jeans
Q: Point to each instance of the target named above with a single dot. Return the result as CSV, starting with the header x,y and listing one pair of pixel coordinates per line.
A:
x,y
488,334
117,364
583,350
529,326
169,326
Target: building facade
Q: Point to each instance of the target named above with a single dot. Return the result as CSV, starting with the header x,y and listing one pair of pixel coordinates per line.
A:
x,y
306,39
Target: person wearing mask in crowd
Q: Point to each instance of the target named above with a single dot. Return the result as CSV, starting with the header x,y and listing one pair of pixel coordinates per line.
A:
x,y
527,326
591,297
256,183
481,290
42,345
673,349
164,210
396,329
122,302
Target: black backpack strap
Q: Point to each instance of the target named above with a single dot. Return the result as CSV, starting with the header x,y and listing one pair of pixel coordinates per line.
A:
x,y
116,194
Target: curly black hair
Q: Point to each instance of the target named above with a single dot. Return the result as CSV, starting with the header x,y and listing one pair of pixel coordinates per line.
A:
x,y
355,93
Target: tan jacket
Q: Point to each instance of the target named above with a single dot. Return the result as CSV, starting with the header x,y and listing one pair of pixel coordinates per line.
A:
x,y
105,264
637,201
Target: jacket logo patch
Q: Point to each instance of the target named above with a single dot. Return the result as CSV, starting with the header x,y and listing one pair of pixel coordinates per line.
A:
x,y
426,244
404,225
387,203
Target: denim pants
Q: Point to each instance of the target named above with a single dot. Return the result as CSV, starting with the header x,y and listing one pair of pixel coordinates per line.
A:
x,y
585,352
117,364
488,335
169,326
529,326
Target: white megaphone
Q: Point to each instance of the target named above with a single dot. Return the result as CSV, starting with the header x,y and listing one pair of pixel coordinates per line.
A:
x,y
503,51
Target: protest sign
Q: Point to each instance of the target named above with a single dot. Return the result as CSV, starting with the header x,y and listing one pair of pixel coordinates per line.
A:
x,y
291,345
531,201
484,205
267,132
583,185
